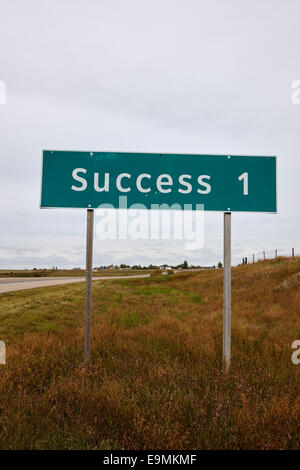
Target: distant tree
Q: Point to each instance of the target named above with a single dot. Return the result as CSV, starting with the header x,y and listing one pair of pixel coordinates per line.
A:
x,y
152,266
220,264
185,265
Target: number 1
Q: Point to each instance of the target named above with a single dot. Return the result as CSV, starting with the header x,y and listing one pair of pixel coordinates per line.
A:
x,y
244,177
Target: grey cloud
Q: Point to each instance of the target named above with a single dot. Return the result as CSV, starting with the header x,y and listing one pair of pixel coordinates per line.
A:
x,y
167,76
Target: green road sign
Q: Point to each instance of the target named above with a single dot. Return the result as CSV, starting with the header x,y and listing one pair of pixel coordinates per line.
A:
x,y
219,182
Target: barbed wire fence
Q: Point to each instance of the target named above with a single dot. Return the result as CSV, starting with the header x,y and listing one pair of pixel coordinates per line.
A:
x,y
269,254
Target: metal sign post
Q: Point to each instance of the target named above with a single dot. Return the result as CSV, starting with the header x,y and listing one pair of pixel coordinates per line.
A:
x,y
88,291
227,291
224,183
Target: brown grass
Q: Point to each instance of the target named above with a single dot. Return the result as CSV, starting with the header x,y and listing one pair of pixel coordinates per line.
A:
x,y
155,379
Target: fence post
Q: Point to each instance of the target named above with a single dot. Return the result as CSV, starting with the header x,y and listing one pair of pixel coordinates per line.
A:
x,y
293,252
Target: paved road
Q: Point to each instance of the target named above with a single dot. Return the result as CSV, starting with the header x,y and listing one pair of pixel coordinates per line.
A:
x,y
9,284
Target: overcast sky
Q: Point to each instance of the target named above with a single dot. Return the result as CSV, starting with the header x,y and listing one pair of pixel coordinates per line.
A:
x,y
194,76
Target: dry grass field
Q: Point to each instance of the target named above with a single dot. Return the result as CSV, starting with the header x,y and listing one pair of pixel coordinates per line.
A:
x,y
155,379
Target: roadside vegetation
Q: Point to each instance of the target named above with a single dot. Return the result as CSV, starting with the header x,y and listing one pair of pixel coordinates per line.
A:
x,y
155,378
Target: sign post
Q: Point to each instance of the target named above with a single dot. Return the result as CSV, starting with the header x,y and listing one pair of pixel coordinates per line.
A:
x,y
224,183
227,292
88,292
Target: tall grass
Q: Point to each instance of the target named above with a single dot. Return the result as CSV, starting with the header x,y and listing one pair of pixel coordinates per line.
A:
x,y
155,378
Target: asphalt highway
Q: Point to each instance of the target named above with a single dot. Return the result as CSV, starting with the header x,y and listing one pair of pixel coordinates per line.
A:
x,y
10,284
